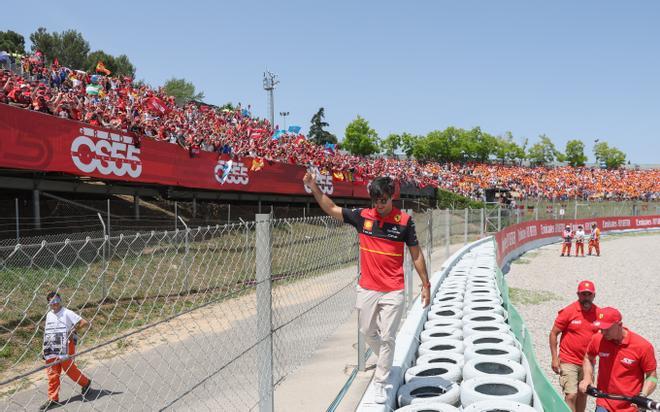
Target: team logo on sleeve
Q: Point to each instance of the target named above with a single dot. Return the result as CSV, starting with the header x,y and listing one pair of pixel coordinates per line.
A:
x,y
368,225
397,218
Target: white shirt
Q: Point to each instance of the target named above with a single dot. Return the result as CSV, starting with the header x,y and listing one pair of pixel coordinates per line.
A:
x,y
58,327
579,235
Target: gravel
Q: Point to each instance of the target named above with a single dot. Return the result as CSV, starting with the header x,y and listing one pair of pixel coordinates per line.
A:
x,y
625,275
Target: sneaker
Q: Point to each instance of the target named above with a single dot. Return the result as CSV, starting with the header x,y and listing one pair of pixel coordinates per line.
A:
x,y
380,395
85,388
49,404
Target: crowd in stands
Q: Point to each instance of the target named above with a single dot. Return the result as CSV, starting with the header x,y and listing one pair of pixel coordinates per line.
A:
x,y
119,103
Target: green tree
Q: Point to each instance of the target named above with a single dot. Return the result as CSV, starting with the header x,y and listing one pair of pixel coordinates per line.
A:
x,y
575,153
612,157
543,152
119,66
390,144
316,133
182,90
359,138
12,42
506,150
69,47
476,146
442,146
408,142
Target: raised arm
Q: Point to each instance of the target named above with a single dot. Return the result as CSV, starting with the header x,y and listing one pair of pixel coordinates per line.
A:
x,y
328,206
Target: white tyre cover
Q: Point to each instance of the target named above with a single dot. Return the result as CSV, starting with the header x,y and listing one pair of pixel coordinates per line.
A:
x,y
450,292
429,390
429,407
494,350
493,387
443,305
483,317
489,366
471,299
441,332
436,346
483,308
434,370
498,405
490,337
481,294
452,358
444,322
453,285
470,328
448,299
453,313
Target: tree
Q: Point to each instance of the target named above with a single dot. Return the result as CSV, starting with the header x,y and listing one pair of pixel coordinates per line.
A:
x,y
69,47
12,42
408,142
360,139
45,43
119,66
316,133
390,144
612,157
182,90
506,150
442,146
543,152
575,153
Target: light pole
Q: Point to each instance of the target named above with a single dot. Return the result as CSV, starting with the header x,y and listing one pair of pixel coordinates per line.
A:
x,y
270,81
284,115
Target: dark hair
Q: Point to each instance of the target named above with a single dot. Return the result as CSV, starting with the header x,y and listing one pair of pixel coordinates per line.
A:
x,y
51,295
381,186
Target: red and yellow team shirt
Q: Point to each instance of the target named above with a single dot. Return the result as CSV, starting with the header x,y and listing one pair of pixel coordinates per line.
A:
x,y
382,240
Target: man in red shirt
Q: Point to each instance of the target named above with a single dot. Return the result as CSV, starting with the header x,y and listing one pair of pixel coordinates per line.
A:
x,y
575,324
626,363
383,231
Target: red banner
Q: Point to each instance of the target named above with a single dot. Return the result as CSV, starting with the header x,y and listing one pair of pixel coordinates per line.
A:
x,y
35,141
512,237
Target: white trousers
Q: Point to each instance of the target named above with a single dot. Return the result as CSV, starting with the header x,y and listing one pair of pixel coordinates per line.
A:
x,y
379,314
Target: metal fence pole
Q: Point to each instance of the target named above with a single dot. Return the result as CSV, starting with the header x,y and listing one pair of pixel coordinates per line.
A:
x,y
176,215
36,209
264,313
229,213
408,272
361,344
481,222
465,225
536,212
499,218
429,243
18,225
105,253
447,232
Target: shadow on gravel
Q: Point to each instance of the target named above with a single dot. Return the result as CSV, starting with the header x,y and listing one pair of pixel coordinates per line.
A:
x,y
92,395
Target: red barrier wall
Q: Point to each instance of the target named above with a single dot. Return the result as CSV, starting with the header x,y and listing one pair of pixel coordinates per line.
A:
x,y
512,237
35,141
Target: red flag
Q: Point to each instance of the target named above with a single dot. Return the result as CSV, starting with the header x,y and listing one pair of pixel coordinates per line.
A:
x,y
56,62
100,68
157,106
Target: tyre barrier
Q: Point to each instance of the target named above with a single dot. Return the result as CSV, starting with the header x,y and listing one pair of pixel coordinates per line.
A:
x,y
468,300
444,322
441,332
485,337
452,313
494,350
493,387
429,407
483,308
436,346
483,317
489,366
452,373
428,390
497,406
452,358
471,328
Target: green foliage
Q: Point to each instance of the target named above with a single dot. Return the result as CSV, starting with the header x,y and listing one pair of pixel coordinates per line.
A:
x,y
408,142
69,46
12,42
543,152
508,151
449,200
390,144
119,66
359,138
182,90
575,153
316,133
611,156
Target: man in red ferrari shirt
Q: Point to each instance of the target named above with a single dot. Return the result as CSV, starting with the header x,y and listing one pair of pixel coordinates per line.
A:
x,y
575,324
626,363
383,231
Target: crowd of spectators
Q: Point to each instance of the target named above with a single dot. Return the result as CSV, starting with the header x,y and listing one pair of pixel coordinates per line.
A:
x,y
119,103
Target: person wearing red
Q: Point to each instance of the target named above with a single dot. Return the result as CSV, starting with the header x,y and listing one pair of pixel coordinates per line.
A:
x,y
567,237
575,324
626,363
383,231
594,240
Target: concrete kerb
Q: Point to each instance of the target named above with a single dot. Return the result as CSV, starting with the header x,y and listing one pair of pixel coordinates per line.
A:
x,y
406,340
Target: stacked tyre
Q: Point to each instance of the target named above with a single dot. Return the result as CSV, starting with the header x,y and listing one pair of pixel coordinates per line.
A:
x,y
468,357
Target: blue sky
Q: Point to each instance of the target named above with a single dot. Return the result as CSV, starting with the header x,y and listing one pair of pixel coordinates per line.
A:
x,y
586,70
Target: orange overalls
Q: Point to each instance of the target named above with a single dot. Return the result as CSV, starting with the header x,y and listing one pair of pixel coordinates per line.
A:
x,y
568,239
67,367
594,242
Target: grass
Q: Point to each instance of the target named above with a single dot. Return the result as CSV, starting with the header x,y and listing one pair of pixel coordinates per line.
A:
x,y
520,296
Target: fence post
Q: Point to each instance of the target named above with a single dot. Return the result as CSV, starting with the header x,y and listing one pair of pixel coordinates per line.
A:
x,y
229,213
136,203
447,232
264,313
361,344
36,209
176,215
18,225
536,212
481,222
408,271
499,218
429,243
105,252
465,226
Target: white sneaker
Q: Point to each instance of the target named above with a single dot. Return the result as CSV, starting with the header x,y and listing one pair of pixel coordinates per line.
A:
x,y
380,393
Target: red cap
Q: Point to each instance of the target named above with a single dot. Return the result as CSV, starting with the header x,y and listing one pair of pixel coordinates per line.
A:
x,y
607,317
586,286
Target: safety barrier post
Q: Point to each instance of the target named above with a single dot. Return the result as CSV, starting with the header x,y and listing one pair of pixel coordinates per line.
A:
x,y
481,223
429,242
465,225
264,313
499,218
